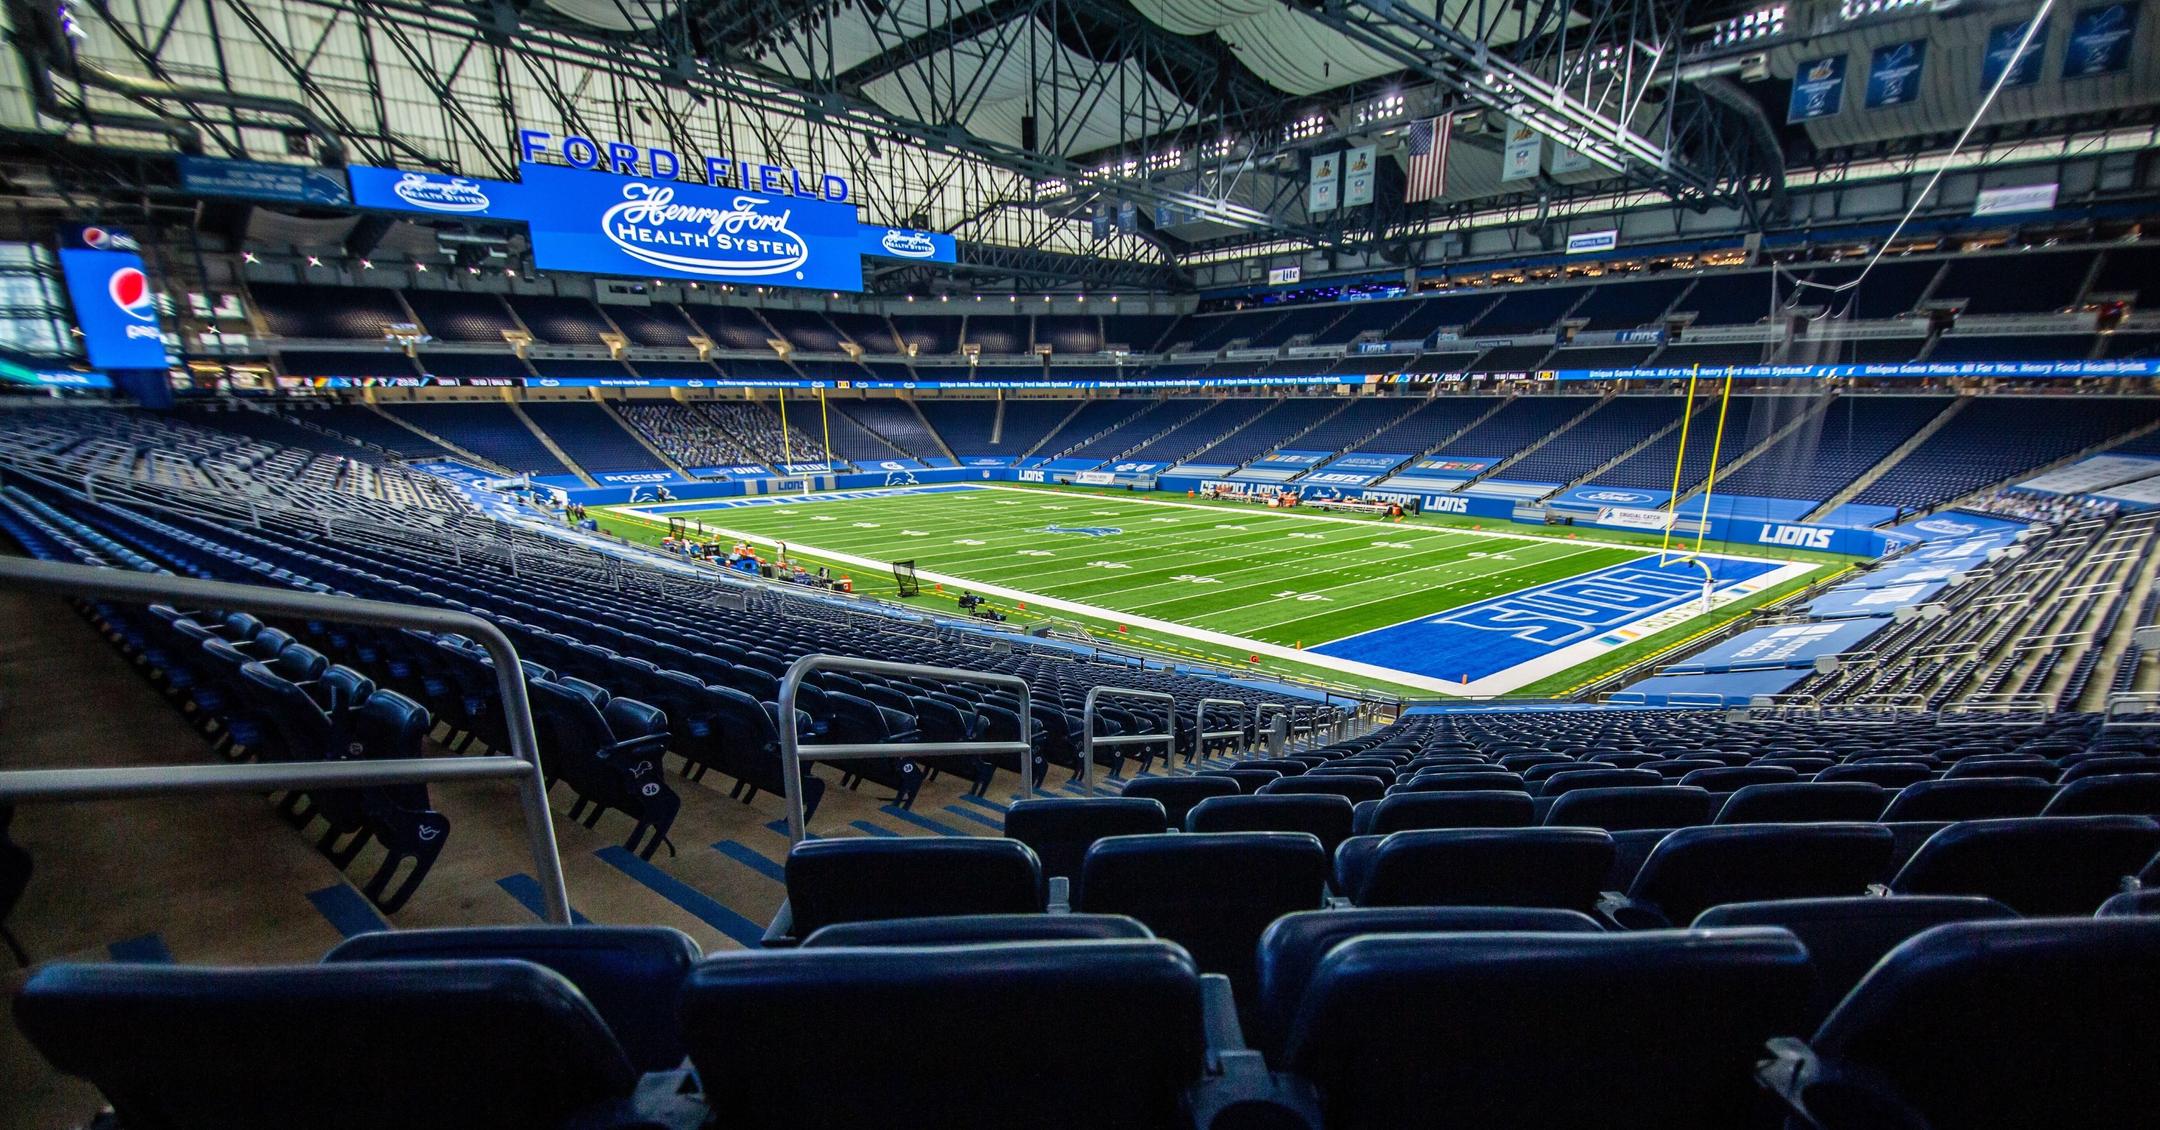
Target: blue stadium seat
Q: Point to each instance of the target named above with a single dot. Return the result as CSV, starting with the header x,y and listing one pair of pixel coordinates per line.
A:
x,y
2119,794
998,1027
1989,1026
1846,936
1456,781
1353,788
1886,774
630,974
1979,798
2039,866
2145,901
1549,867
1325,816
1178,795
857,880
1406,811
1213,893
978,929
1562,783
1490,1029
1804,802
483,1044
1061,829
1622,809
1694,869
1294,946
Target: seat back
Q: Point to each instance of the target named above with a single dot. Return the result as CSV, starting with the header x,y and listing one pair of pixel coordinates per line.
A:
x,y
1553,867
1247,780
1973,798
2038,866
503,1044
777,1044
1295,944
1324,815
1725,779
1456,781
2120,794
978,929
1353,788
2052,1023
1492,1027
1625,809
1213,893
1406,811
1804,802
1560,784
631,974
1888,774
1694,869
861,880
1846,936
1178,795
1061,829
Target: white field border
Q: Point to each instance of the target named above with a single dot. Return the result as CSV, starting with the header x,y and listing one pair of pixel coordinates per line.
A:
x,y
1501,682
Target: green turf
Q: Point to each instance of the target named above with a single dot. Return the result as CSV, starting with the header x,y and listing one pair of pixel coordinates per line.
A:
x,y
1280,578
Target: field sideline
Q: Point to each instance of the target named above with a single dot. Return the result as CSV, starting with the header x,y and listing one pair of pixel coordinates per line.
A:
x,y
1279,583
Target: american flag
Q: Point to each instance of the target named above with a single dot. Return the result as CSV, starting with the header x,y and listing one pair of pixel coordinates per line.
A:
x,y
1428,158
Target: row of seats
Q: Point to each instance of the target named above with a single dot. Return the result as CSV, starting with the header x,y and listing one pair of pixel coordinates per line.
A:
x,y
1477,1018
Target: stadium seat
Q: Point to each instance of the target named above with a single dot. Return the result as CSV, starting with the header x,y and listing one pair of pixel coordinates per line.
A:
x,y
2145,901
1352,788
978,929
484,1044
1453,781
1560,784
1733,777
1804,802
1887,774
1990,1026
1548,867
1061,829
1845,936
999,1026
1178,795
1296,943
1667,806
856,880
610,755
1326,816
2039,866
1694,869
1973,767
630,974
2108,766
2120,794
1213,893
1979,798
1405,811
1489,1029
1247,780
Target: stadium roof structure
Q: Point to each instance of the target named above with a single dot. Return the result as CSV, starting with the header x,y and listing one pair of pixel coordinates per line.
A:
x,y
1019,125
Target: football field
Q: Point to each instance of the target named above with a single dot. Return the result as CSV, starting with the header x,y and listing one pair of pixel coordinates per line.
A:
x,y
1423,606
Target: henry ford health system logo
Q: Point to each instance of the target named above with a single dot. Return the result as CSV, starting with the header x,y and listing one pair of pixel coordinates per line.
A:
x,y
436,194
699,239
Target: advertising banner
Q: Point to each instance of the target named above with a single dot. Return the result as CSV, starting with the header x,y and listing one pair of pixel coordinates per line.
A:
x,y
611,225
901,243
263,180
399,190
114,304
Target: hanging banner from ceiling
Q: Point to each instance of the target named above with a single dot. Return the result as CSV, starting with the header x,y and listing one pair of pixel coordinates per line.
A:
x,y
400,190
1818,91
1524,153
1325,191
2100,39
610,225
1359,165
1893,77
2002,42
1565,160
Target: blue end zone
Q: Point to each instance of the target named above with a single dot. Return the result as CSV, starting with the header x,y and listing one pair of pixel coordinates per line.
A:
x,y
1491,636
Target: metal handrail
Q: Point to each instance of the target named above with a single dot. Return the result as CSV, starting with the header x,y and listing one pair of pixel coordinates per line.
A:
x,y
1201,734
792,748
149,588
1088,740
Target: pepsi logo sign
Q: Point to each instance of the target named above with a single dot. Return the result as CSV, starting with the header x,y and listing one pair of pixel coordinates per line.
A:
x,y
909,244
441,194
740,239
130,291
